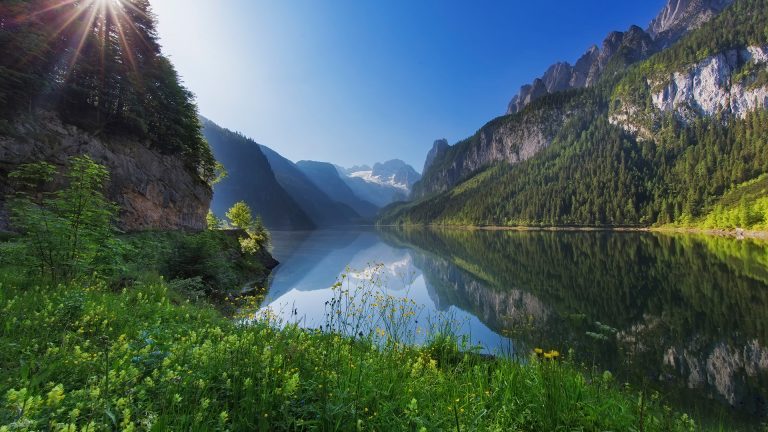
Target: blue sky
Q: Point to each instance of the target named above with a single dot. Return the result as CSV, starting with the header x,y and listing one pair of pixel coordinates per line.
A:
x,y
364,81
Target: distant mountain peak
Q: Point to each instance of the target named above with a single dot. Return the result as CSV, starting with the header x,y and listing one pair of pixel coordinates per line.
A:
x,y
676,19
438,148
393,173
681,16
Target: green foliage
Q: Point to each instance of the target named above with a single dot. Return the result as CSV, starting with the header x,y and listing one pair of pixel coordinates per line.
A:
x,y
101,69
220,173
596,174
69,232
212,222
137,361
240,217
739,26
213,258
745,206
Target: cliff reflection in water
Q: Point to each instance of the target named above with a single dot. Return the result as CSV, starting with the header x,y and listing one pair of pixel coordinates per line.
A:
x,y
684,314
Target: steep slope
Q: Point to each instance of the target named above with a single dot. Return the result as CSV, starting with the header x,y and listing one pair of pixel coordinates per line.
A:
x,y
510,139
250,179
659,143
619,49
676,19
439,147
326,178
377,194
323,210
153,190
383,184
66,90
680,16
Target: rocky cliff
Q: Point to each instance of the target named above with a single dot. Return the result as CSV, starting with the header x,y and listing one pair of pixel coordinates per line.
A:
x,y
439,147
511,140
725,83
153,190
680,16
731,84
518,137
625,47
676,19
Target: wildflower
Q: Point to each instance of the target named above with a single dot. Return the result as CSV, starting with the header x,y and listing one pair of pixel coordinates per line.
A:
x,y
538,351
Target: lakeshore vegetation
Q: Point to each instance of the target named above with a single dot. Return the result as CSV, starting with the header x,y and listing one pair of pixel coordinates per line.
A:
x,y
146,341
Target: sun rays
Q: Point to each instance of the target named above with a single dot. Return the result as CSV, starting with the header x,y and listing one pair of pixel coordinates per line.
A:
x,y
86,21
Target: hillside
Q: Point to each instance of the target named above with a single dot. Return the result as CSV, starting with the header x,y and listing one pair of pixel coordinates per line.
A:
x,y
619,49
382,184
658,142
65,90
251,179
326,177
321,208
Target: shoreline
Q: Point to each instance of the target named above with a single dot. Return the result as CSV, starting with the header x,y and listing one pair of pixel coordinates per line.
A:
x,y
736,233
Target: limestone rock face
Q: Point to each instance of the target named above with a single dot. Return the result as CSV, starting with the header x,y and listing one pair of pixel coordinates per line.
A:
x,y
709,87
676,19
438,149
633,45
680,16
498,141
153,190
725,84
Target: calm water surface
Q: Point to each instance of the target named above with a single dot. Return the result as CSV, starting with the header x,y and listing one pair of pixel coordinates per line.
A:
x,y
684,315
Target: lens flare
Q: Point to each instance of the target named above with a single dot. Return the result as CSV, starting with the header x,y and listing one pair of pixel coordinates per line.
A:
x,y
105,21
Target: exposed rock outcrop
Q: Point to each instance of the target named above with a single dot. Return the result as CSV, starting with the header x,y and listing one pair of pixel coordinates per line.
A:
x,y
498,141
627,47
727,84
711,86
438,150
153,190
680,16
676,19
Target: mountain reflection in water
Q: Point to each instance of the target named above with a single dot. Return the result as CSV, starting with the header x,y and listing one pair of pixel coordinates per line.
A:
x,y
682,314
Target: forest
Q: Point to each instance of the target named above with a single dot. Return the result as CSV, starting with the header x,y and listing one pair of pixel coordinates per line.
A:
x,y
595,173
98,68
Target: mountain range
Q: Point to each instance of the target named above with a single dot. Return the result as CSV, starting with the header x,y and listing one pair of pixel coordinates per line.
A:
x,y
620,49
383,184
658,126
302,195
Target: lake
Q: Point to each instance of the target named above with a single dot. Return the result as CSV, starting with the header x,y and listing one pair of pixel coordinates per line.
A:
x,y
683,315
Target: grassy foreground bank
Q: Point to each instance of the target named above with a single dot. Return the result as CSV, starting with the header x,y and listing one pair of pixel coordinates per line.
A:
x,y
88,357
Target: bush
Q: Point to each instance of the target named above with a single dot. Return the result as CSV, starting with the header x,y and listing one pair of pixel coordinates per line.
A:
x,y
69,232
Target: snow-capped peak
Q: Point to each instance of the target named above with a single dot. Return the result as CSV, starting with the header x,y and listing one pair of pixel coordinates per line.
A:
x,y
391,181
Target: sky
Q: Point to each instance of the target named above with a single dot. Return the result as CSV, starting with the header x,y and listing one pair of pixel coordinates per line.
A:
x,y
363,81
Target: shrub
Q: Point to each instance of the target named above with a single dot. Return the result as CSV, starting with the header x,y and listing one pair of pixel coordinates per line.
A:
x,y
68,232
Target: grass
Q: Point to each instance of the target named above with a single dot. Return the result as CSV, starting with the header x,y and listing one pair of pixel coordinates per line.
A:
x,y
87,357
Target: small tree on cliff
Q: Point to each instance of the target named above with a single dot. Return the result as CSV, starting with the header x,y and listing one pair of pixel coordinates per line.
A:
x,y
68,232
212,221
241,217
